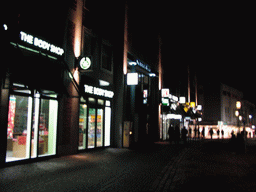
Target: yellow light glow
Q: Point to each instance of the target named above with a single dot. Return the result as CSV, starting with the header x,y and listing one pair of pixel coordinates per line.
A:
x,y
77,45
238,105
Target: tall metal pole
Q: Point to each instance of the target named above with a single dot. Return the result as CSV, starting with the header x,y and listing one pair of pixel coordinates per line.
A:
x,y
188,84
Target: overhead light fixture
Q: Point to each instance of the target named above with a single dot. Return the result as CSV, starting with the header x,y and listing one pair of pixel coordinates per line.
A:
x,y
152,75
103,83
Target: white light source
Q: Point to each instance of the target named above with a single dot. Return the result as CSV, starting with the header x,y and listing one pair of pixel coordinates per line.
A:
x,y
5,27
103,83
165,92
132,78
238,104
182,100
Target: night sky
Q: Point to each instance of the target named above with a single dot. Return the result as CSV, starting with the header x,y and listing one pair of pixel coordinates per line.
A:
x,y
216,39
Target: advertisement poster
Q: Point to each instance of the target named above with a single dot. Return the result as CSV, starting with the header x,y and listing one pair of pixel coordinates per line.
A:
x,y
11,116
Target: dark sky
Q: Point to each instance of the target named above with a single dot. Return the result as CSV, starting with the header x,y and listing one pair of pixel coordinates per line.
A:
x,y
216,39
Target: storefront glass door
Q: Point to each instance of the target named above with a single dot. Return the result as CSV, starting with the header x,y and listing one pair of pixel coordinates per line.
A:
x,y
94,123
19,123
82,126
32,126
99,127
47,127
91,128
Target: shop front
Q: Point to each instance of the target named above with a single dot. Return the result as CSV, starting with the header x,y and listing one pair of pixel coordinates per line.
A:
x,y
95,117
32,124
141,103
29,99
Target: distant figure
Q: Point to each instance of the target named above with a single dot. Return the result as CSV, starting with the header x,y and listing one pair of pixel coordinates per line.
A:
x,y
222,133
189,133
211,132
232,134
177,134
198,132
218,133
171,134
203,132
195,132
184,133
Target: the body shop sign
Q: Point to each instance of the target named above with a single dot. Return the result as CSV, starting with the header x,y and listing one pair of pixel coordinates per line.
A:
x,y
37,42
98,91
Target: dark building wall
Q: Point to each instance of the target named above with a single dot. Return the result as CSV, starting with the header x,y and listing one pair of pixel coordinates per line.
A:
x,y
212,103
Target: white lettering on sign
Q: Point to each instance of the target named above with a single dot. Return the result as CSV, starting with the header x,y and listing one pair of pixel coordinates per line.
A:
x,y
88,89
26,37
40,43
98,91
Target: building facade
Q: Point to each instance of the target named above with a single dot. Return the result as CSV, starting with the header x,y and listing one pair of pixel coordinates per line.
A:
x,y
64,88
219,110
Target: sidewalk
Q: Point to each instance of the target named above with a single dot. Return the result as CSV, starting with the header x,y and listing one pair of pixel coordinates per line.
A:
x,y
100,170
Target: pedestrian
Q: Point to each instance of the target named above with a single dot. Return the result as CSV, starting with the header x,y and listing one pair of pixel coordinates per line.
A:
x,y
222,133
184,133
198,131
195,132
203,132
218,133
171,134
211,132
177,134
189,133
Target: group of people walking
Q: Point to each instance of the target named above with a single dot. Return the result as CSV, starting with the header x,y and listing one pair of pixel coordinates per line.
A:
x,y
175,134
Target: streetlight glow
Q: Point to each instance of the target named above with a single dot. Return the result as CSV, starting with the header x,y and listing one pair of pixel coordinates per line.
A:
x,y
238,104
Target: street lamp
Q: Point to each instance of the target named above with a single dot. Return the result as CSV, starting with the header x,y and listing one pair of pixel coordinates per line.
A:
x,y
237,113
238,104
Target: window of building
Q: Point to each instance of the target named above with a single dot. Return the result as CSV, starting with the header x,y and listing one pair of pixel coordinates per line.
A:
x,y
32,124
106,57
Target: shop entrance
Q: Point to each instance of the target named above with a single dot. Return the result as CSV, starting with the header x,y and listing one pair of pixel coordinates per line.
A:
x,y
32,124
94,123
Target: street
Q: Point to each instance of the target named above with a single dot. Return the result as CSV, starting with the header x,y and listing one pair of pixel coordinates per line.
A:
x,y
201,165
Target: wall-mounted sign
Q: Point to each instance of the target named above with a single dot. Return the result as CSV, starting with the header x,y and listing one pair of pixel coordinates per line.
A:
x,y
132,78
165,92
30,39
142,65
182,100
98,91
85,63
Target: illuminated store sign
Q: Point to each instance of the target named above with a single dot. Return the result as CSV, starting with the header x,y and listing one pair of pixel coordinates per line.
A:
x,y
98,91
132,78
142,65
165,92
85,63
30,39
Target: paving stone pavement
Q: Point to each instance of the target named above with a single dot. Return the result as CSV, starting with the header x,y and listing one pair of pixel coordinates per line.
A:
x,y
201,166
210,165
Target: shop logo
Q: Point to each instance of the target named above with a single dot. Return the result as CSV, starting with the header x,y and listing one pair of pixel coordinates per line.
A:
x,y
98,91
30,39
85,63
